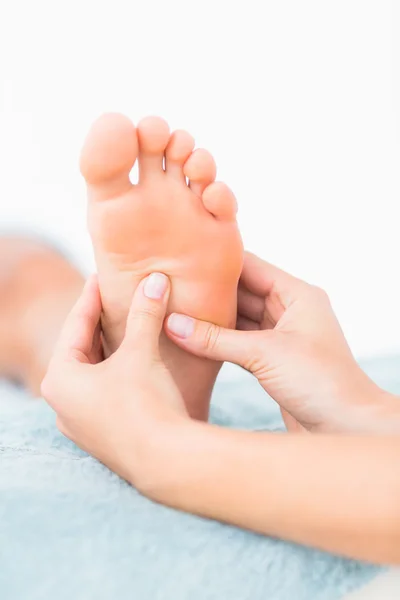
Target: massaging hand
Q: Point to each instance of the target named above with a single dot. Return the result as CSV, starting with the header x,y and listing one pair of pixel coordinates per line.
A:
x,y
292,342
121,409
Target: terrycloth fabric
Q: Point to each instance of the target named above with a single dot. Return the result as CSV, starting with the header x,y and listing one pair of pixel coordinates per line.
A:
x,y
71,530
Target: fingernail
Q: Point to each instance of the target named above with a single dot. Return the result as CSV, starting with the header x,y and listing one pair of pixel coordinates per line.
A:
x,y
180,325
155,286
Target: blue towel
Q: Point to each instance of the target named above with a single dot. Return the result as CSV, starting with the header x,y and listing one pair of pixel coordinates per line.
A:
x,y
72,530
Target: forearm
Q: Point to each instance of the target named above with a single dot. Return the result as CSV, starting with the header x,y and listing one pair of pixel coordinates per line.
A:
x,y
337,493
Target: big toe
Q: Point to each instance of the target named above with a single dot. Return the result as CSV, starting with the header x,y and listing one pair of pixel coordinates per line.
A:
x,y
109,153
153,133
220,201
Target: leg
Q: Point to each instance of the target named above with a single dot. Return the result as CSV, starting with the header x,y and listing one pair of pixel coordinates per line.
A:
x,y
38,286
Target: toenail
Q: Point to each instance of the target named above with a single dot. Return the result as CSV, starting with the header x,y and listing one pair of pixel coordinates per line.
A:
x,y
180,325
155,286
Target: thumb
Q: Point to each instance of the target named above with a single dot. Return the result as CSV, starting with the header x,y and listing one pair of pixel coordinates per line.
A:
x,y
211,341
79,334
81,327
147,313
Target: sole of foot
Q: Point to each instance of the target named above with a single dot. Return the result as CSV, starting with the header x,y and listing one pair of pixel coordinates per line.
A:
x,y
38,287
176,220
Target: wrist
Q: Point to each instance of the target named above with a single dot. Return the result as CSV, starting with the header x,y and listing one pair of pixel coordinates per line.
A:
x,y
386,413
162,455
216,473
189,465
369,408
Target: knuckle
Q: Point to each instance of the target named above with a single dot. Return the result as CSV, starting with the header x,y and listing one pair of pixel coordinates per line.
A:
x,y
320,294
211,337
145,313
254,361
47,387
60,426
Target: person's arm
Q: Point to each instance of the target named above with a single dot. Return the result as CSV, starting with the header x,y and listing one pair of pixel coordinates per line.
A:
x,y
337,493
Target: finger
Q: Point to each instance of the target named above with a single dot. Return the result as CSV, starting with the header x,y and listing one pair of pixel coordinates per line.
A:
x,y
244,324
82,325
214,342
147,314
61,426
291,423
266,312
96,354
262,279
249,305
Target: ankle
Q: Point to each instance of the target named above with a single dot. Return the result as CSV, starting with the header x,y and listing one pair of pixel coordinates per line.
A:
x,y
194,376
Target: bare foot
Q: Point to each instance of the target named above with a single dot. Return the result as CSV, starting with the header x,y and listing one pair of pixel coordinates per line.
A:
x,y
38,287
185,230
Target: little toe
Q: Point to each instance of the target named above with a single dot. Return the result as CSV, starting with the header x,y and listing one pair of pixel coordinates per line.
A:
x,y
179,148
220,201
153,134
200,169
108,155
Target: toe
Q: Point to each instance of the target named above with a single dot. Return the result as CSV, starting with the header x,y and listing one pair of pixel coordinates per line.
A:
x,y
108,155
200,169
180,147
153,134
220,201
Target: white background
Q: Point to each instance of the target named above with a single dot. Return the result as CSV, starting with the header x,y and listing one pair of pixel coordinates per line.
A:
x,y
298,101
